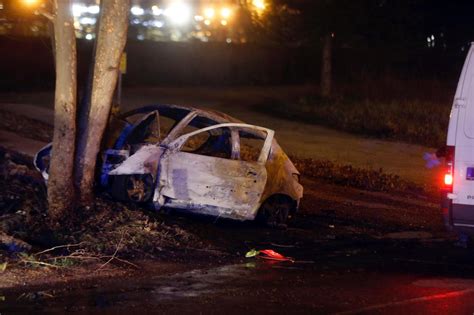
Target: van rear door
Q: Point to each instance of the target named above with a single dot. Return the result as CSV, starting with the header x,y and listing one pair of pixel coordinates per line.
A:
x,y
461,136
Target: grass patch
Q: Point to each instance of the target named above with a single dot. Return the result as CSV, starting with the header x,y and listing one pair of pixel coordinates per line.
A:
x,y
366,179
417,122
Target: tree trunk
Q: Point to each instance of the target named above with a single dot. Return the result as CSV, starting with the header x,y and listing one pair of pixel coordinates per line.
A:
x,y
111,41
60,185
326,65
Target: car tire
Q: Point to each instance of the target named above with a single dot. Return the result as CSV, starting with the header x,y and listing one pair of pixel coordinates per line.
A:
x,y
275,211
133,188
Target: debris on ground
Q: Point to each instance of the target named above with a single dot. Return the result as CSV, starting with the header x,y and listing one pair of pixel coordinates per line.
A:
x,y
269,254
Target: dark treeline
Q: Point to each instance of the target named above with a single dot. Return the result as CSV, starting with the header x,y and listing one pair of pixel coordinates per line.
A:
x,y
28,64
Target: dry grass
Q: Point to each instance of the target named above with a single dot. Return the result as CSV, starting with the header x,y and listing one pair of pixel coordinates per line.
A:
x,y
417,122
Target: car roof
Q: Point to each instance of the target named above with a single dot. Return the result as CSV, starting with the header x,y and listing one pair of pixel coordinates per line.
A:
x,y
178,112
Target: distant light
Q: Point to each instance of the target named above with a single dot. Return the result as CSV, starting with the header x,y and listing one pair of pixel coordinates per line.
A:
x,y
87,21
428,39
207,22
198,18
1,6
228,40
78,9
432,37
225,13
224,22
136,10
89,36
158,24
140,37
259,4
178,12
93,9
156,10
209,13
30,3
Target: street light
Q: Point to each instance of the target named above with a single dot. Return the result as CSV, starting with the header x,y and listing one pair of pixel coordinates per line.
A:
x,y
225,13
209,13
260,5
179,13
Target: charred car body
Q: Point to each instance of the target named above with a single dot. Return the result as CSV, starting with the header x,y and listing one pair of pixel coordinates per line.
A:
x,y
196,160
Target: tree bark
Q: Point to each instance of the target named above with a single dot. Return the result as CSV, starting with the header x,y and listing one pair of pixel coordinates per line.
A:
x,y
60,185
111,41
326,66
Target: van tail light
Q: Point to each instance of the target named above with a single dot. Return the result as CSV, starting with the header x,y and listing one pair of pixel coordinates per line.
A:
x,y
449,172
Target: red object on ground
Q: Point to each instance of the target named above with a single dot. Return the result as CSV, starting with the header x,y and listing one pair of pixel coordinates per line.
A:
x,y
273,255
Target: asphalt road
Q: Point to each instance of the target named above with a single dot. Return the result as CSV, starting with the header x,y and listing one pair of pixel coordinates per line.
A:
x,y
327,277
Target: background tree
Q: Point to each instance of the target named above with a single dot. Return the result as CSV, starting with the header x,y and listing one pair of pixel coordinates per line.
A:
x,y
330,24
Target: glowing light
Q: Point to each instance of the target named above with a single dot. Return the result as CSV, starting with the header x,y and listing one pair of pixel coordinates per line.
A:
x,y
89,36
225,13
158,24
448,179
207,22
224,22
136,10
228,40
87,21
259,4
198,18
178,12
93,9
156,10
30,3
209,13
78,9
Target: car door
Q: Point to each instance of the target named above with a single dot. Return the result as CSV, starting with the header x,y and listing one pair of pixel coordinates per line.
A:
x,y
201,172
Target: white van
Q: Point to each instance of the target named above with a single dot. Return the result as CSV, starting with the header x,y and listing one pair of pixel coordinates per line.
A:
x,y
458,191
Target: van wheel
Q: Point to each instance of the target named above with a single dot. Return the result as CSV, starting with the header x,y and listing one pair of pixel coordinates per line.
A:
x,y
136,188
274,212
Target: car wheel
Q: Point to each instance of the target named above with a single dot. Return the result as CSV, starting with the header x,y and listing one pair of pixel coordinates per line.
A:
x,y
135,188
274,212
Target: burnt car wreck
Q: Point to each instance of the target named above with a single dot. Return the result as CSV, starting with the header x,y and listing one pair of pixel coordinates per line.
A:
x,y
196,160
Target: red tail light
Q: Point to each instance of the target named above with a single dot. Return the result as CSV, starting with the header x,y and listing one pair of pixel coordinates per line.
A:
x,y
449,174
448,179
